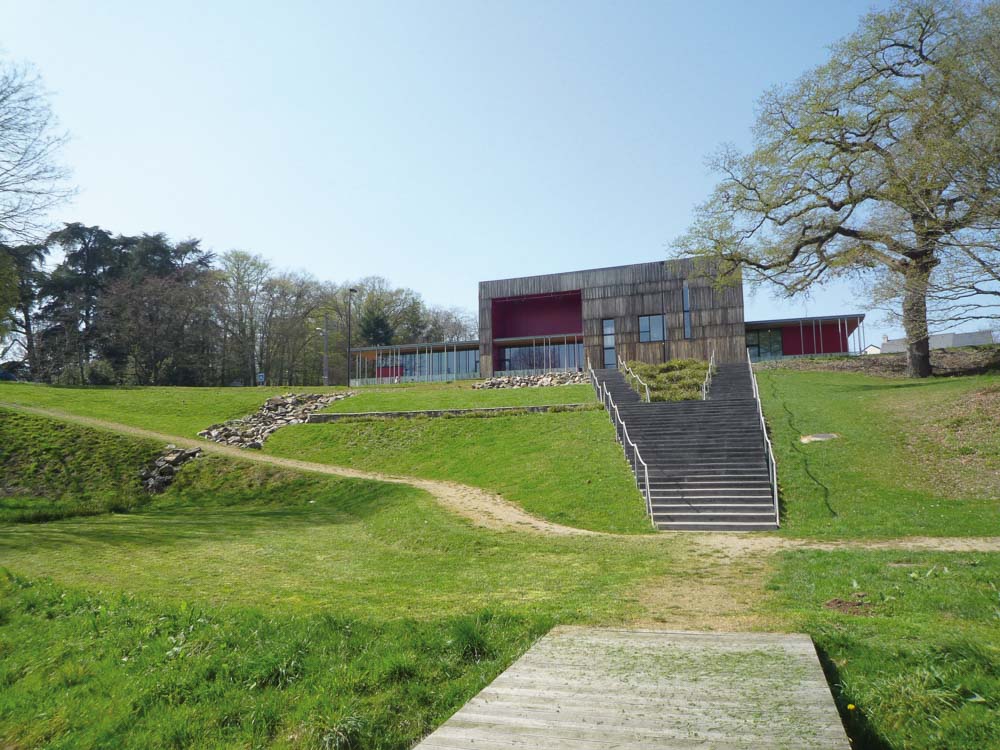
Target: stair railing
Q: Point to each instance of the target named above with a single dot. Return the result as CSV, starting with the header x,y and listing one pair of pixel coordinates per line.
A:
x,y
772,468
631,373
708,378
622,436
621,433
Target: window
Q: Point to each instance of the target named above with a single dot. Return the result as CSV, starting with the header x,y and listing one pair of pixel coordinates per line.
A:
x,y
608,326
687,311
651,328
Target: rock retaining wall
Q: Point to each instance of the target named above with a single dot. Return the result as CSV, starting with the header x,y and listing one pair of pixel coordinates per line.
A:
x,y
158,475
277,412
534,381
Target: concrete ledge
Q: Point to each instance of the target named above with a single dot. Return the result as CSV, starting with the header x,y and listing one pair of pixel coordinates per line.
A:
x,y
483,411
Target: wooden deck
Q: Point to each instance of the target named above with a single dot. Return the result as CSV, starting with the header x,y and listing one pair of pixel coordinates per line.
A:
x,y
653,690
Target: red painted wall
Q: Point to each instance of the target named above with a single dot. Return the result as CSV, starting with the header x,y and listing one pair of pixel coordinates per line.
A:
x,y
817,338
538,315
389,372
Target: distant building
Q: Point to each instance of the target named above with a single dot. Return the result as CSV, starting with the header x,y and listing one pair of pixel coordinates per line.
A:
x,y
650,312
941,341
872,349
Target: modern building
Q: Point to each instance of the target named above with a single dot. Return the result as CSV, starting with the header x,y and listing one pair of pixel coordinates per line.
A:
x,y
941,341
649,312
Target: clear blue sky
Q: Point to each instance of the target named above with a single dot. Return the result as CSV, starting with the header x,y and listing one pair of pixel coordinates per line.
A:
x,y
434,143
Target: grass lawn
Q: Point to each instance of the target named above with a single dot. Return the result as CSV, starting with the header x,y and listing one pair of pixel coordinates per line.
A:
x,y
913,457
459,395
177,411
250,606
915,648
564,466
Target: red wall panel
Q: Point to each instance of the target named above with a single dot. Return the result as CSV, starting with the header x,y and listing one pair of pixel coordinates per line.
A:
x,y
538,315
817,338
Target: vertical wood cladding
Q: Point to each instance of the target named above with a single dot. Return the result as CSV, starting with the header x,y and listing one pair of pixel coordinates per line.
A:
x,y
623,293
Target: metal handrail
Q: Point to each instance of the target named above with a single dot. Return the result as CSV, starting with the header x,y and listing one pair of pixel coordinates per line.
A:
x,y
623,438
708,378
772,467
624,366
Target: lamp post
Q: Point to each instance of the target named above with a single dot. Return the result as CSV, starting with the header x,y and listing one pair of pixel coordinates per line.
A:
x,y
350,296
326,348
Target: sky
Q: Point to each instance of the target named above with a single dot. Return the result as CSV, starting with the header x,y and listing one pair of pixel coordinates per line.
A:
x,y
434,143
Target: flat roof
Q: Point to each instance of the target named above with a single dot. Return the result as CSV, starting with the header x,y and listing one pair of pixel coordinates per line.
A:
x,y
805,319
430,345
588,270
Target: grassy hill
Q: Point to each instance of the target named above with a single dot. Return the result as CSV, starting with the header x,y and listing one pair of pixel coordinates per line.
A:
x,y
256,606
913,457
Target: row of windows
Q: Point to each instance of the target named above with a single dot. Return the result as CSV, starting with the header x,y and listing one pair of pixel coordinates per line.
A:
x,y
567,356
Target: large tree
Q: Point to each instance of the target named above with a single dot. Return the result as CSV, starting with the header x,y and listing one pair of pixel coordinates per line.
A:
x,y
884,160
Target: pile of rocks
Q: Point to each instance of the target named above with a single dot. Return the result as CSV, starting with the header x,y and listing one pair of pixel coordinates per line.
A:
x,y
277,412
534,381
158,475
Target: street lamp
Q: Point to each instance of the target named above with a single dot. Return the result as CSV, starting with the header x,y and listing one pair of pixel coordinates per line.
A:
x,y
326,342
350,295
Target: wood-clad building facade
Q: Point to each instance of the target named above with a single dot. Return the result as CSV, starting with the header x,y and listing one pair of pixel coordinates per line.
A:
x,y
649,311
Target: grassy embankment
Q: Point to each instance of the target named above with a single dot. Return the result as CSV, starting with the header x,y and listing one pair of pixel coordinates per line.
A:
x,y
565,466
913,457
459,395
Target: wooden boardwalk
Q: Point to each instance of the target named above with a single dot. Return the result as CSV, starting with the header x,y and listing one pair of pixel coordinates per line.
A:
x,y
653,690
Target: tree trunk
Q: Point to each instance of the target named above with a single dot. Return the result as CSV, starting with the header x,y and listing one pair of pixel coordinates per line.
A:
x,y
918,354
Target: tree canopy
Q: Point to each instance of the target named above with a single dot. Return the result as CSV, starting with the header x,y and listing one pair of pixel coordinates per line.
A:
x,y
884,162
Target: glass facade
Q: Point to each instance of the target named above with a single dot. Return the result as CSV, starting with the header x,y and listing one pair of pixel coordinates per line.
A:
x,y
547,356
608,329
765,344
387,366
651,328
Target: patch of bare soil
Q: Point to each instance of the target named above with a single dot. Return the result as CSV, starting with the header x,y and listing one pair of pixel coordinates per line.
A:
x,y
857,605
734,546
708,590
971,360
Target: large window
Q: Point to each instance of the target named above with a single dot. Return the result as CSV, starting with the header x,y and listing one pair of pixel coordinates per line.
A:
x,y
608,327
687,311
542,356
651,328
765,344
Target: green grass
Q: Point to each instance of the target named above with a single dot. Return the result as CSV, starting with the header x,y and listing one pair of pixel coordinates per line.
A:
x,y
889,474
922,666
459,395
673,380
251,606
82,669
565,467
55,470
177,411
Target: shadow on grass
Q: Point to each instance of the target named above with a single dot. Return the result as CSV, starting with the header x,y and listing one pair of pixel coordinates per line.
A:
x,y
176,525
862,734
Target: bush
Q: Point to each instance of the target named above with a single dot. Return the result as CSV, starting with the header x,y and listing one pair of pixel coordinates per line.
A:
x,y
100,372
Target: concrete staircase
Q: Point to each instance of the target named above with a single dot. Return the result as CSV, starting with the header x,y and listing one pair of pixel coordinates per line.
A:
x,y
707,460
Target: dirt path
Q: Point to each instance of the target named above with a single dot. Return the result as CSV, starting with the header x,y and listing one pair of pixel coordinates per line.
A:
x,y
492,511
482,507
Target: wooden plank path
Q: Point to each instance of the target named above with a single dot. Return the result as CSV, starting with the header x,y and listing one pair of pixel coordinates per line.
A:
x,y
652,690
